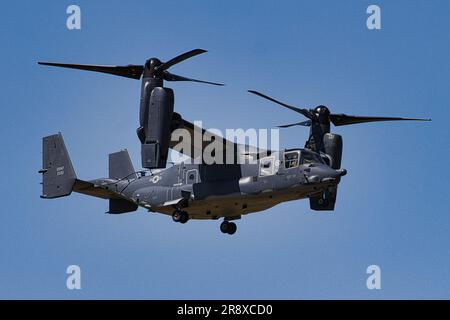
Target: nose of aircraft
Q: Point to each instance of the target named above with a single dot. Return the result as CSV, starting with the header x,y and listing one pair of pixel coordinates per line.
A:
x,y
323,173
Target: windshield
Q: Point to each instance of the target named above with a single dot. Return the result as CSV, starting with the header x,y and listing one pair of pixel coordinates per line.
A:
x,y
310,157
291,159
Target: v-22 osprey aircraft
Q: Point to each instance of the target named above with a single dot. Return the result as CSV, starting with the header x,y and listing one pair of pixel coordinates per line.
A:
x,y
188,191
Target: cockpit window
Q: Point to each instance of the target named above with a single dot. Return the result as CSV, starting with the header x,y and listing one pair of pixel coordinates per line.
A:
x,y
310,157
291,159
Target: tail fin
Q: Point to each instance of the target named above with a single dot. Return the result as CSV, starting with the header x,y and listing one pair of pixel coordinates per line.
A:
x,y
120,166
58,175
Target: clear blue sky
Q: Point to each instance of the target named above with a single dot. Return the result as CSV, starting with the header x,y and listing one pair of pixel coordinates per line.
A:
x,y
392,208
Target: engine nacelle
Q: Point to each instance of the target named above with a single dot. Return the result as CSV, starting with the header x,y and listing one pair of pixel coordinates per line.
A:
x,y
157,129
332,144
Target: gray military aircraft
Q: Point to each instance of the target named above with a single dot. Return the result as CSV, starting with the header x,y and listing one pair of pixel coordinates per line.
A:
x,y
255,180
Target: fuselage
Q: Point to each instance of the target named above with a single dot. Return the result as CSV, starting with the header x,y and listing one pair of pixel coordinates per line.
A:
x,y
228,190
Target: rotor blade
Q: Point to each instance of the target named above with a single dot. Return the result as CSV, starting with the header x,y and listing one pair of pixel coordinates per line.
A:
x,y
304,112
343,119
130,71
173,77
180,58
306,123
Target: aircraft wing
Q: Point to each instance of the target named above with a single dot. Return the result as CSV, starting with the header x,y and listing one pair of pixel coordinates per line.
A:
x,y
193,141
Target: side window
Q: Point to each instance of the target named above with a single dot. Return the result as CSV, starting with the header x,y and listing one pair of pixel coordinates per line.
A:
x,y
310,157
266,166
291,159
191,176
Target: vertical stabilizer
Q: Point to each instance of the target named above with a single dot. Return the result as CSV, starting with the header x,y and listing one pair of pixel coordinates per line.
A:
x,y
120,166
58,175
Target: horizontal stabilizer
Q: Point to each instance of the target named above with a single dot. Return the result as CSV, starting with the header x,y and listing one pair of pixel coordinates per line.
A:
x,y
90,189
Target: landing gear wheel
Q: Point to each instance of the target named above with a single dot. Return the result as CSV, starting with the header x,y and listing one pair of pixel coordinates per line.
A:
x,y
176,216
228,227
232,228
184,217
224,227
180,216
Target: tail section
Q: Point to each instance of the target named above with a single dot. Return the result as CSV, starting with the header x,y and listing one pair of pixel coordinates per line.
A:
x,y
120,166
58,175
59,178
